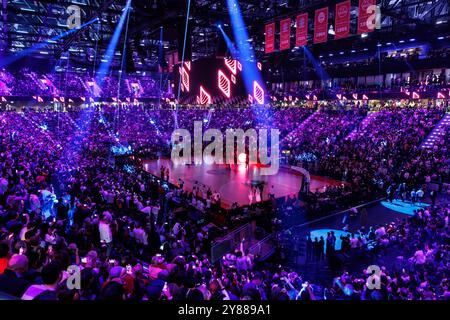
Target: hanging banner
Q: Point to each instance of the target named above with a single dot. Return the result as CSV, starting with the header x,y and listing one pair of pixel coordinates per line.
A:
x,y
301,32
366,16
342,20
285,34
321,25
270,37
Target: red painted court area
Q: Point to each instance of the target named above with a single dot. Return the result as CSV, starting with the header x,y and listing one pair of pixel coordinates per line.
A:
x,y
234,185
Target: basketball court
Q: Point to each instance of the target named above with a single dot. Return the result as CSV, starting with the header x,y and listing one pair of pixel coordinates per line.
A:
x,y
234,185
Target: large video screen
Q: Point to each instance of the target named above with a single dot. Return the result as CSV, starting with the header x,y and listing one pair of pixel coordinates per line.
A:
x,y
209,79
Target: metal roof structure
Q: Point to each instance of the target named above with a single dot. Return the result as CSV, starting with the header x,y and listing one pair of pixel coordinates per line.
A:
x,y
25,23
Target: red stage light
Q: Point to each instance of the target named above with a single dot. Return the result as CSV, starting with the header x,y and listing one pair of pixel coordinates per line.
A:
x,y
205,97
184,79
231,64
258,93
223,83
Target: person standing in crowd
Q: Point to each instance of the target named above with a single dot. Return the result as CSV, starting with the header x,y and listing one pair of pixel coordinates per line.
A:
x,y
13,281
261,191
433,196
321,248
419,195
51,275
413,196
104,227
316,248
329,245
333,243
389,193
3,187
272,193
354,243
243,260
309,247
180,183
403,191
255,289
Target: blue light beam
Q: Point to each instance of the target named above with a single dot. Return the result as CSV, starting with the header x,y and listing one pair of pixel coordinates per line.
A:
x,y
15,57
319,70
230,45
245,51
109,54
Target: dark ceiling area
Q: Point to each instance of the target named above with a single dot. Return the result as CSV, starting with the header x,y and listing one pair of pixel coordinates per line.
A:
x,y
26,23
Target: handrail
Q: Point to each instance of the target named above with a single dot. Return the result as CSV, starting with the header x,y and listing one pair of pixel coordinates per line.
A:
x,y
230,241
232,233
256,248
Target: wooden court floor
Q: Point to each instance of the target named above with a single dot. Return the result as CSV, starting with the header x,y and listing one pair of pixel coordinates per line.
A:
x,y
234,185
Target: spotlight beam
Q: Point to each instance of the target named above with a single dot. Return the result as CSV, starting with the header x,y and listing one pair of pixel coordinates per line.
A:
x,y
175,113
109,54
15,57
230,45
318,69
88,114
184,49
245,51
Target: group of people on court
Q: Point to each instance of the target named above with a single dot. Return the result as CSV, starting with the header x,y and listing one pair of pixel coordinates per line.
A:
x,y
400,192
255,194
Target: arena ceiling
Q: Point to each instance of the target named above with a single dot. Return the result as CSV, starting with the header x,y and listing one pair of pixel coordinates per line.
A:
x,y
25,23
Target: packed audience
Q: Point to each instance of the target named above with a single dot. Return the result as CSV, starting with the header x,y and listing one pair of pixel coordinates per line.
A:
x,y
64,205
26,83
419,272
